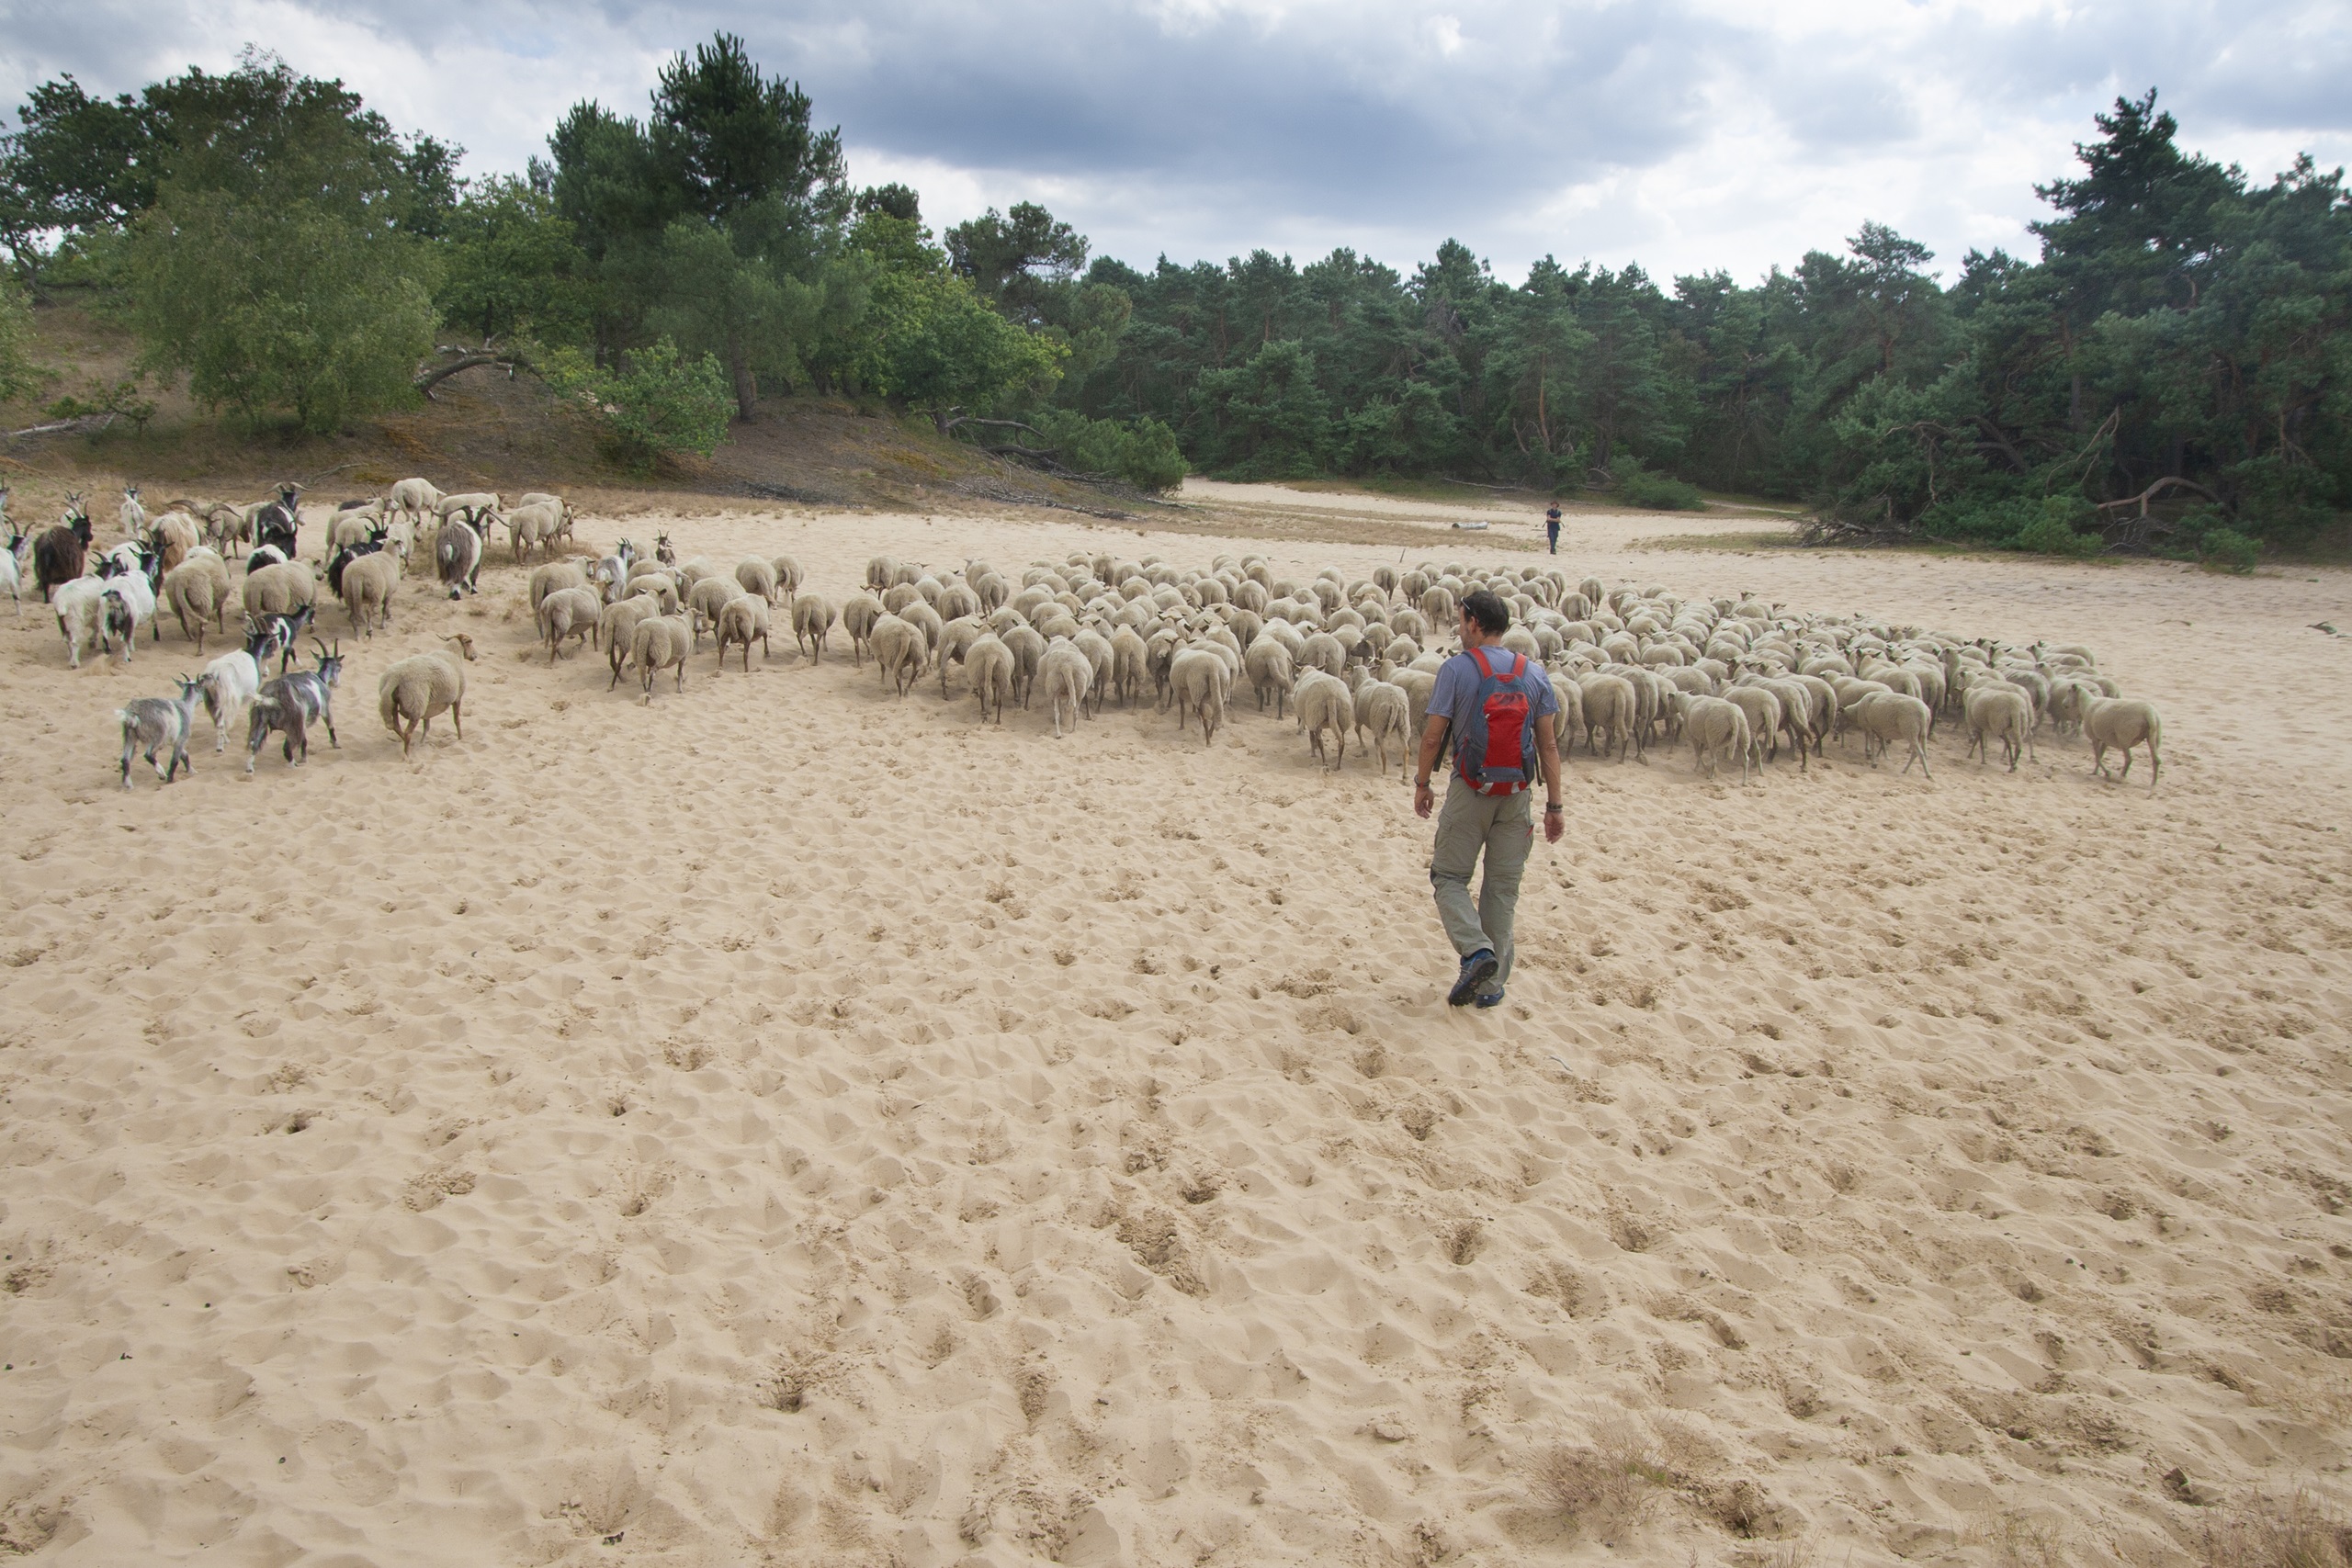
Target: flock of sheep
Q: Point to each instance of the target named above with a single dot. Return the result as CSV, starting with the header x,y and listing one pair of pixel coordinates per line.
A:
x,y
1735,679
1630,667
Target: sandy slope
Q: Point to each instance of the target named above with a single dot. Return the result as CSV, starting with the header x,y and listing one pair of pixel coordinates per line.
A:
x,y
785,1124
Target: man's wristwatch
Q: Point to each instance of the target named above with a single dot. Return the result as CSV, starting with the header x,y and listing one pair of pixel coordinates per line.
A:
x,y
1549,809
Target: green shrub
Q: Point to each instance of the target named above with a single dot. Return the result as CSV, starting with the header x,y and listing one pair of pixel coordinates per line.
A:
x,y
2226,549
1654,493
1144,455
2051,531
659,404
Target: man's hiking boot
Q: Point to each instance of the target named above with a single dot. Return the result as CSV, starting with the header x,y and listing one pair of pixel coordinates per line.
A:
x,y
1476,970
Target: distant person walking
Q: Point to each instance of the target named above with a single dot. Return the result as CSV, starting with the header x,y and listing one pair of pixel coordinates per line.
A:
x,y
1552,527
1498,708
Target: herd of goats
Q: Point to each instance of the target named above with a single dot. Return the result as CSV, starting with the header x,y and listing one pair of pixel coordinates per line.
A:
x,y
1735,678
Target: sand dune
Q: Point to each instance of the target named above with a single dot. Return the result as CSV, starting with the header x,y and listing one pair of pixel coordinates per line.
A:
x,y
782,1123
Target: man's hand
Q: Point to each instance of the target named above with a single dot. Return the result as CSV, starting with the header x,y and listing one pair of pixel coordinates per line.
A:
x,y
1555,823
1423,800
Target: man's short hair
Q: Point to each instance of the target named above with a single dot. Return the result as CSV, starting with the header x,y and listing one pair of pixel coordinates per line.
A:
x,y
1482,606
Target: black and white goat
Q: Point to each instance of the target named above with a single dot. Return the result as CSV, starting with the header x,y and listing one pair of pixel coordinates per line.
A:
x,y
291,703
279,522
149,724
274,636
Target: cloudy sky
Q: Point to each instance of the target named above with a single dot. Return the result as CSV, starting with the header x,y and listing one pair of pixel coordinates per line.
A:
x,y
1684,134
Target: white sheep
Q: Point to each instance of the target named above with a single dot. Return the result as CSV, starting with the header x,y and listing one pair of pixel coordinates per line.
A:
x,y
858,616
1271,673
743,619
197,591
705,599
412,689
1323,702
1384,712
368,585
757,576
281,589
2122,723
1069,676
989,664
1712,726
900,650
1997,709
812,617
414,498
568,614
1200,678
1887,717
617,625
658,643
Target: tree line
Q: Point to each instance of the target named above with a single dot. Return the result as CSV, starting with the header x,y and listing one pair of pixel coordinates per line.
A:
x,y
2171,372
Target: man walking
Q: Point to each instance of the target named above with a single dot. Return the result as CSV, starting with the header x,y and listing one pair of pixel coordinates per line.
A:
x,y
1552,527
1500,712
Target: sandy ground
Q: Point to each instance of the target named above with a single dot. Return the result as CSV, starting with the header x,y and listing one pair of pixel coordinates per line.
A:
x,y
786,1124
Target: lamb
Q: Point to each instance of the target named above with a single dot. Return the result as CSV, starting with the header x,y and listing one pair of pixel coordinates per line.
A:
x,y
1068,675
743,619
812,617
787,577
412,689
2122,723
757,577
658,643
231,682
1199,678
292,704
1385,712
989,664
1886,717
900,649
1712,725
1323,702
367,587
280,589
1997,709
568,614
457,557
149,724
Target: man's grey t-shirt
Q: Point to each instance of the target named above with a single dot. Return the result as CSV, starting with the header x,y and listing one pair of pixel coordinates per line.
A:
x,y
1457,692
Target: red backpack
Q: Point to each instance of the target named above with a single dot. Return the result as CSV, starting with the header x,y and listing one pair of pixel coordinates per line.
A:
x,y
1494,744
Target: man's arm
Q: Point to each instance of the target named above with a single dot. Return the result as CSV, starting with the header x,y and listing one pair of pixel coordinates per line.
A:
x,y
1547,752
1432,742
